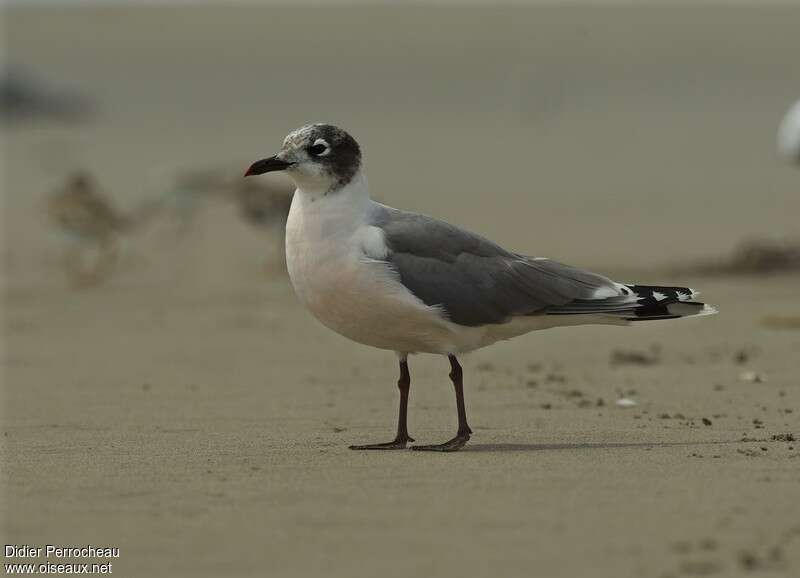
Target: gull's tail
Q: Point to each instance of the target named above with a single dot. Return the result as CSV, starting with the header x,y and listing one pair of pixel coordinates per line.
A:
x,y
640,303
667,303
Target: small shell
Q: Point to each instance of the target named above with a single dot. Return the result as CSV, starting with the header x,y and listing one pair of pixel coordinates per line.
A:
x,y
625,402
752,377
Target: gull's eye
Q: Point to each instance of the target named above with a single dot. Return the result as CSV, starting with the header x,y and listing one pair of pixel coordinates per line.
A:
x,y
319,149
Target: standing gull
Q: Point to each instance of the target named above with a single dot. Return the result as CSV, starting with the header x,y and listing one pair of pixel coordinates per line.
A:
x,y
413,284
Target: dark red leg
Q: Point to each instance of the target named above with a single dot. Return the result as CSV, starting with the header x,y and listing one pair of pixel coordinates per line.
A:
x,y
464,431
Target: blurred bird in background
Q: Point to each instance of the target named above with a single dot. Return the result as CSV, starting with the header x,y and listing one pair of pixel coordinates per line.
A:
x,y
263,205
92,225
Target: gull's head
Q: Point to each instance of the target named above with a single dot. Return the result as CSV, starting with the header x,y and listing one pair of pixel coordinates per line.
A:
x,y
316,157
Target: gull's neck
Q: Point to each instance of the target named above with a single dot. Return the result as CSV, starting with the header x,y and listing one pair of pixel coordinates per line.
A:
x,y
351,200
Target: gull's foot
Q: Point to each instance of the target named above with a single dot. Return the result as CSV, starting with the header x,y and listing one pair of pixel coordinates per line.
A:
x,y
452,445
397,444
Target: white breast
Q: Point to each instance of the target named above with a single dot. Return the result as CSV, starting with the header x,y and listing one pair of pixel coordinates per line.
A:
x,y
335,264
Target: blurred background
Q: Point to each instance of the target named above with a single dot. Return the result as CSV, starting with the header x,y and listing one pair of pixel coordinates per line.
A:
x,y
146,307
622,123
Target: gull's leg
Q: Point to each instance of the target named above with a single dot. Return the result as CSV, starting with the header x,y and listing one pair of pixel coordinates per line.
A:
x,y
402,438
462,437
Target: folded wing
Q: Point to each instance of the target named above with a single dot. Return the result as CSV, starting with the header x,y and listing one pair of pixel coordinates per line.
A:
x,y
477,282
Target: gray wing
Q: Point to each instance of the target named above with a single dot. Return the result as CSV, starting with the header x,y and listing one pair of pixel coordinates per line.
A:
x,y
476,281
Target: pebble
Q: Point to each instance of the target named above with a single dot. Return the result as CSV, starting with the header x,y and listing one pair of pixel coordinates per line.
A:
x,y
752,377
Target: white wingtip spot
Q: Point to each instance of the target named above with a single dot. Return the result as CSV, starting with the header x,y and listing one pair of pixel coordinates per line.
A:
x,y
659,296
687,296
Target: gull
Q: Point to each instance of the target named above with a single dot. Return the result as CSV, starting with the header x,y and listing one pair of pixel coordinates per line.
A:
x,y
789,135
409,283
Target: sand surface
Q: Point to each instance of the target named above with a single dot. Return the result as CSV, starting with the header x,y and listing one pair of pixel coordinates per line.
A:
x,y
190,412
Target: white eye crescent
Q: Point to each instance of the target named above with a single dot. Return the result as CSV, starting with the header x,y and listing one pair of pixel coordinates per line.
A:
x,y
320,148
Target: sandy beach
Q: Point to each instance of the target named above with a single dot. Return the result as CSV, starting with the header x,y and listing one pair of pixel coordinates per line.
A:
x,y
190,412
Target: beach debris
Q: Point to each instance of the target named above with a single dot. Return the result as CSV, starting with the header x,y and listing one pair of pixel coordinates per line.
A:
x,y
765,256
752,377
555,378
753,257
784,437
772,559
630,357
781,321
706,421
625,402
